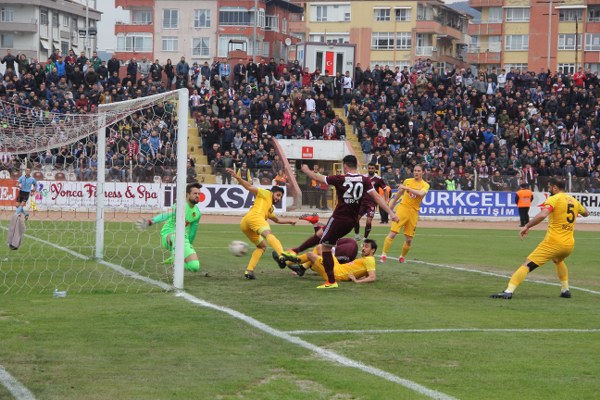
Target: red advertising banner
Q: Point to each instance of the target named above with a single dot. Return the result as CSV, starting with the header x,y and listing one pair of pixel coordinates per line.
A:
x,y
8,192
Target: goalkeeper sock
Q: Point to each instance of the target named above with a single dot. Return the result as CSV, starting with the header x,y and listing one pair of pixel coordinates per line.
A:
x,y
405,249
387,244
274,243
308,243
517,278
193,265
563,275
256,255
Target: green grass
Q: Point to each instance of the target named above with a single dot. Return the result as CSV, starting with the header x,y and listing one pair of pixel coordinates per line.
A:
x,y
115,338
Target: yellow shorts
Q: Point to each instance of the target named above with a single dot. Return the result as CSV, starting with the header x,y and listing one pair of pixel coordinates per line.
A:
x,y
408,220
546,251
253,227
319,268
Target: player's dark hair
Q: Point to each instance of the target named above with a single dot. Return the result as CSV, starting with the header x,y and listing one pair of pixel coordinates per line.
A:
x,y
559,183
418,165
190,186
524,186
350,161
372,243
371,164
276,189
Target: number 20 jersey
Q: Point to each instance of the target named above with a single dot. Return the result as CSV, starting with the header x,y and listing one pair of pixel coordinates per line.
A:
x,y
350,190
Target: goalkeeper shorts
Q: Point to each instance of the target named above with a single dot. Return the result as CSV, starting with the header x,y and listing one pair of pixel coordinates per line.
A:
x,y
188,250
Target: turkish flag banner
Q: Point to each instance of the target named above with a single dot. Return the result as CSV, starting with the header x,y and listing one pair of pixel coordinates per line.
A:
x,y
329,61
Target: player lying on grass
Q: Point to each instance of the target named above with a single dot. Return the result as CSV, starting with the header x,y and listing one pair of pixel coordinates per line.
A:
x,y
167,233
360,270
309,243
255,226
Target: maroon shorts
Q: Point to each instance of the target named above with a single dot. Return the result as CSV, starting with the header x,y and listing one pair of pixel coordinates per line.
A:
x,y
346,250
368,209
335,229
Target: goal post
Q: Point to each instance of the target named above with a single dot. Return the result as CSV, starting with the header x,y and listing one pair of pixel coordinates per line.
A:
x,y
84,224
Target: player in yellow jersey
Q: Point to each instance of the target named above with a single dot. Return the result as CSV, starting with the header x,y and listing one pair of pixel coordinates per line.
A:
x,y
412,191
255,226
360,270
558,242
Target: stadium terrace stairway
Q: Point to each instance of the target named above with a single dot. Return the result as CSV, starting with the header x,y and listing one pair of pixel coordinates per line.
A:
x,y
203,169
352,138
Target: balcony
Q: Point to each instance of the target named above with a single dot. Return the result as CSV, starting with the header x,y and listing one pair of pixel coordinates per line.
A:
x,y
127,4
479,4
20,26
485,29
425,51
437,27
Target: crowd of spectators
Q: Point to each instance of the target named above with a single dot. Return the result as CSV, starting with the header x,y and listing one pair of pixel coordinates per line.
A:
x,y
471,130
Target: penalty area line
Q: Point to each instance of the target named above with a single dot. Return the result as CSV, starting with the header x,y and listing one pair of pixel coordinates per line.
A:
x,y
321,352
440,330
14,387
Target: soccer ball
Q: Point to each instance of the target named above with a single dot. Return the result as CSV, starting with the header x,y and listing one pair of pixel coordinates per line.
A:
x,y
238,248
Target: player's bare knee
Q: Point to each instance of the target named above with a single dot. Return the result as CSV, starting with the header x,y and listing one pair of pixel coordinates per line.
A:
x,y
409,240
392,235
266,233
531,265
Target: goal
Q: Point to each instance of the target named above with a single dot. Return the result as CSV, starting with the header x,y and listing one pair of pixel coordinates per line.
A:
x,y
97,173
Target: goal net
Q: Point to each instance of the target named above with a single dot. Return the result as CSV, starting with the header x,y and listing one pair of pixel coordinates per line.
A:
x,y
96,173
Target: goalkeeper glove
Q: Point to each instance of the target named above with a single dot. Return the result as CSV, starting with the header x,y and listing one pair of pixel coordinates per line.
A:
x,y
142,224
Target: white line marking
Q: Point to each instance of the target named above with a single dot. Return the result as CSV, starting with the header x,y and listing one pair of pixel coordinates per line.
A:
x,y
15,387
324,353
441,330
477,271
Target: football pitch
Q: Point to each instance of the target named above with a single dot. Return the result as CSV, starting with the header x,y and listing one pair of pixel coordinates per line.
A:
x,y
426,328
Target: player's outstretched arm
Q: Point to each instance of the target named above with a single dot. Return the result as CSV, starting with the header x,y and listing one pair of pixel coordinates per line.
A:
x,y
370,277
536,220
143,224
312,175
245,184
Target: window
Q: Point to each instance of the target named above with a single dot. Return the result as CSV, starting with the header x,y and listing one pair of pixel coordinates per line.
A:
x,y
516,42
261,18
592,41
170,18
517,14
474,46
43,17
135,42
272,23
64,47
518,67
200,47
201,18
223,46
236,16
141,17
55,23
284,27
567,68
330,13
382,14
495,14
402,14
566,41
495,44
386,40
74,25
570,14
66,21
170,43
593,14
7,14
593,67
6,40
329,37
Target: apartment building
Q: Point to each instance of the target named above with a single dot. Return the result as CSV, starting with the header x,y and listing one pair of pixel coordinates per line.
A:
x,y
205,29
390,32
536,35
37,28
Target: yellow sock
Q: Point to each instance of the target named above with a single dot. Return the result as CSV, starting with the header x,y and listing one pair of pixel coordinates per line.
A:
x,y
387,244
274,243
405,249
563,275
517,278
256,255
303,258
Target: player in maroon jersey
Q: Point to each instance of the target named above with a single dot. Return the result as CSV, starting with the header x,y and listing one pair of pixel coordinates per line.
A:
x,y
367,205
351,188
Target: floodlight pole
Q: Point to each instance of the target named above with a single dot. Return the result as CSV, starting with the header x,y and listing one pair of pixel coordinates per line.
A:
x,y
182,140
87,28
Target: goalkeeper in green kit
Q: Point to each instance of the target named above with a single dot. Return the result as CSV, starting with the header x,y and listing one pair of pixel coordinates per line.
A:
x,y
167,233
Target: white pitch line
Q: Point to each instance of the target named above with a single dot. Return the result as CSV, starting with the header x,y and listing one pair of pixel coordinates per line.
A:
x,y
15,387
322,352
440,330
478,271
